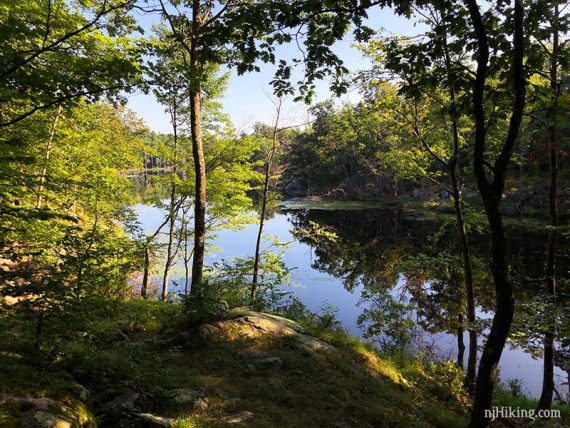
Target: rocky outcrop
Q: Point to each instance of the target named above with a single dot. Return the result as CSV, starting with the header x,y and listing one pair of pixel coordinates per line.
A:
x,y
122,403
44,412
248,324
190,397
296,187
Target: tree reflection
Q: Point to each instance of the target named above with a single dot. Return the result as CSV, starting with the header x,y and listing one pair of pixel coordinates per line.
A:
x,y
408,272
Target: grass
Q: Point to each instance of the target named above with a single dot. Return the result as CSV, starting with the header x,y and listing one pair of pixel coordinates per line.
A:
x,y
148,347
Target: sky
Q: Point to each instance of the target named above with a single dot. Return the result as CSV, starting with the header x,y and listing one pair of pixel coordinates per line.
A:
x,y
248,97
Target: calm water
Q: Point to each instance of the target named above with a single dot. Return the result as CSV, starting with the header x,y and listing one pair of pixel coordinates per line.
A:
x,y
370,242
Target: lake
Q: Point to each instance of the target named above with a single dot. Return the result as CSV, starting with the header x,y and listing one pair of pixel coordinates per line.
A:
x,y
370,246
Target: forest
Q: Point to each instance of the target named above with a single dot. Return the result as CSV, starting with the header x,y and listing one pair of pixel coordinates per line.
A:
x,y
399,256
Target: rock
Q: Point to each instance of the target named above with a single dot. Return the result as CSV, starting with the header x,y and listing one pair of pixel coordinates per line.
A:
x,y
32,403
151,421
221,307
47,413
268,363
209,332
10,300
237,418
186,396
296,187
121,403
44,419
255,324
251,325
312,344
9,354
81,392
201,405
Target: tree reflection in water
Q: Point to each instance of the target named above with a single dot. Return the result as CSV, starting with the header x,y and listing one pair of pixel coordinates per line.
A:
x,y
409,271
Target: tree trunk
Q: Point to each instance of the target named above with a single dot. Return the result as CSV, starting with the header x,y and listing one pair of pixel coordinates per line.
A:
x,y
545,401
46,157
467,277
149,239
146,272
491,194
502,320
259,237
173,210
187,254
169,257
266,178
460,343
462,229
198,155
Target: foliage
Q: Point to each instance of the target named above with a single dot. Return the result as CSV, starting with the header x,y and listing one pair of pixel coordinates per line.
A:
x,y
231,281
435,287
61,51
325,320
386,319
448,376
64,222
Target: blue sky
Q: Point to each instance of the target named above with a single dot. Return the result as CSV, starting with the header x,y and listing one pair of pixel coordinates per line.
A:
x,y
247,99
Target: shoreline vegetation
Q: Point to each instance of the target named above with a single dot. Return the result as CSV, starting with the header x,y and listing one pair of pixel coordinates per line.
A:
x,y
459,121
150,363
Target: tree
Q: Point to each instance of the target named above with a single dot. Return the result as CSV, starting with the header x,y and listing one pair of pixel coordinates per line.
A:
x,y
491,185
78,242
170,87
343,152
433,83
56,52
554,59
268,163
270,154
238,35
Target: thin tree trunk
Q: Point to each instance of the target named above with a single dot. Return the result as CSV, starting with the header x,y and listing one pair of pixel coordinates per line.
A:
x,y
146,272
259,237
198,155
86,253
172,207
145,171
46,157
545,401
468,278
186,255
462,230
169,257
149,239
266,179
460,343
491,194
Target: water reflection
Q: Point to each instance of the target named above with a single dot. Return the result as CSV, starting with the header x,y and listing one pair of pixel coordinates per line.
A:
x,y
409,275
362,260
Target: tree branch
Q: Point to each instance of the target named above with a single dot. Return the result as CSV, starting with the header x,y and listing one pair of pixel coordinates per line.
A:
x,y
62,39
